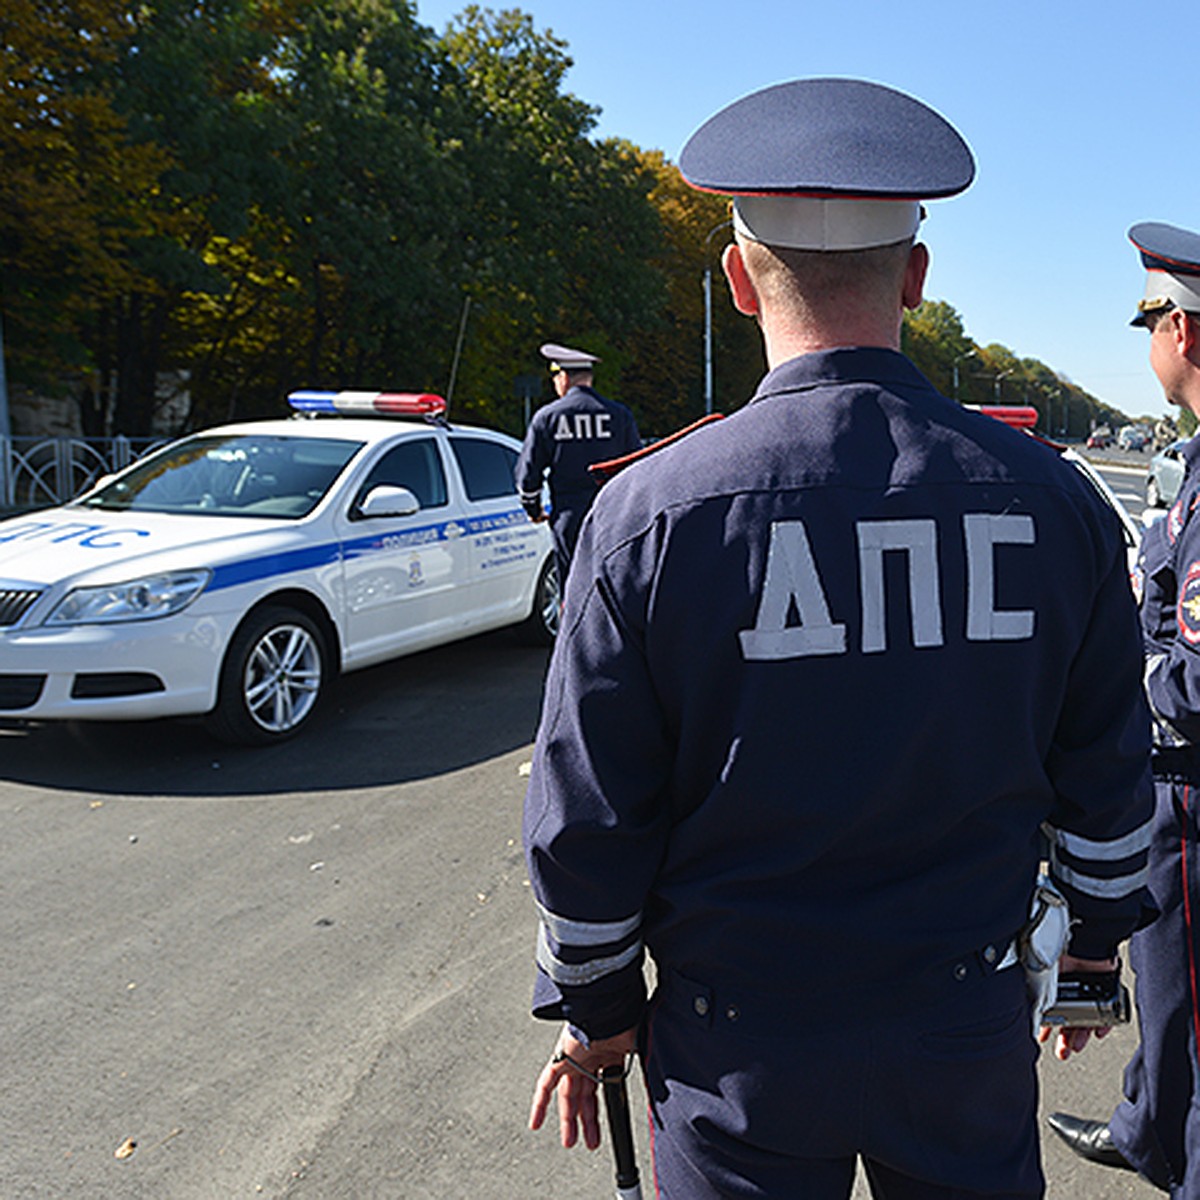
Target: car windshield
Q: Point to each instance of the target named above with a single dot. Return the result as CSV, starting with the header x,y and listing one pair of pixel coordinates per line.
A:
x,y
235,475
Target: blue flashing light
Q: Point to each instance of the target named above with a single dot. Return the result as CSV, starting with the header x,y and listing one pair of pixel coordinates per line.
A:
x,y
312,401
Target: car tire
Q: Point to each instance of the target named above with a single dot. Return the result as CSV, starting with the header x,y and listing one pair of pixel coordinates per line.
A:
x,y
541,626
1153,494
273,679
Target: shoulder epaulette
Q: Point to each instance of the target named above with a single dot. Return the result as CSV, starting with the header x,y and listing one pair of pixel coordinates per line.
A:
x,y
602,472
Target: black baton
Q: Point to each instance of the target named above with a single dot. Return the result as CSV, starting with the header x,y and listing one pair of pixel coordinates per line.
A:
x,y
620,1130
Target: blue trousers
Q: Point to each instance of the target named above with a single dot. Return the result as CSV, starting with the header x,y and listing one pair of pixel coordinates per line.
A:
x,y
938,1104
1157,1127
565,521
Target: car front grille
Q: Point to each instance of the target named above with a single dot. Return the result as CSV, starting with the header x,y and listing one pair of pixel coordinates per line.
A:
x,y
20,691
15,604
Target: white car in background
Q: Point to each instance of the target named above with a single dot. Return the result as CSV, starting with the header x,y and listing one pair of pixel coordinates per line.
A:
x,y
236,572
1164,476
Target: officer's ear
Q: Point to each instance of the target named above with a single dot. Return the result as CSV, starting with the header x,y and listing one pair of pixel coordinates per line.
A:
x,y
913,289
741,288
1185,332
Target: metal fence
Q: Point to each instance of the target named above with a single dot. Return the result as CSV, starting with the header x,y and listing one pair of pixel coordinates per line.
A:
x,y
39,471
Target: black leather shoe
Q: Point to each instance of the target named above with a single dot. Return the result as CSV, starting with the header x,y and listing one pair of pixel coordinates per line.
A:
x,y
1089,1139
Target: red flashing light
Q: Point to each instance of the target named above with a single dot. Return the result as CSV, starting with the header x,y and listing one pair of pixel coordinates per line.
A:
x,y
1019,416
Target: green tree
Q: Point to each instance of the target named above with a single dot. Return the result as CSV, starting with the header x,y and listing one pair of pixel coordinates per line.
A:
x,y
933,337
667,367
558,228
74,185
195,78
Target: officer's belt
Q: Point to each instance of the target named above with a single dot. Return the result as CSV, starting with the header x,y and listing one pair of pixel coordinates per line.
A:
x,y
716,1004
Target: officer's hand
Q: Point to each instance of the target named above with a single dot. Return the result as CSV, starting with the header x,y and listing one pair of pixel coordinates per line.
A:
x,y
1072,1041
577,1104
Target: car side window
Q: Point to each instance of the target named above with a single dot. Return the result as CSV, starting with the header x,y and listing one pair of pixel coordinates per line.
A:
x,y
414,464
487,467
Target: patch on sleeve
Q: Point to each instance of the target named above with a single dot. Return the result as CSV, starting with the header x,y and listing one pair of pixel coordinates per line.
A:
x,y
1187,612
1175,522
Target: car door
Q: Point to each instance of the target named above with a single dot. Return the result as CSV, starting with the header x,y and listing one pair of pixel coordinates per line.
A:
x,y
505,545
404,577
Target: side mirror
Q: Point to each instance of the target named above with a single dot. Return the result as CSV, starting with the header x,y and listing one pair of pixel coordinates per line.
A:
x,y
99,482
384,500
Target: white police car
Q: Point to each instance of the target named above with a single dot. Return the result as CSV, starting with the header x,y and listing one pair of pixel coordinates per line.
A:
x,y
235,572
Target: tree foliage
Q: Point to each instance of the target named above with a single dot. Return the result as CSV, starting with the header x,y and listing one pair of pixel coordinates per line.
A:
x,y
265,194
74,184
933,336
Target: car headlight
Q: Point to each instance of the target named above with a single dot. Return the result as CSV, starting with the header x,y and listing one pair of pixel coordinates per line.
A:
x,y
141,599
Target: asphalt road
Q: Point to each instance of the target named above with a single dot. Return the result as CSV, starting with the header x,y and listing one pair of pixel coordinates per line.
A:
x,y
303,972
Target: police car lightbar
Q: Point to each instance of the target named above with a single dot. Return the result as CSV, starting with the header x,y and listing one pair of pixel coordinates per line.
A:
x,y
1019,416
369,404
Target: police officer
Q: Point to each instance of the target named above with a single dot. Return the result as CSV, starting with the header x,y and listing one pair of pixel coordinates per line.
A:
x,y
831,664
566,436
1156,1130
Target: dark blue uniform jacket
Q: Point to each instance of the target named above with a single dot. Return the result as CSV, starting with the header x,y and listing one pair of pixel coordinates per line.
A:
x,y
826,668
1170,563
566,436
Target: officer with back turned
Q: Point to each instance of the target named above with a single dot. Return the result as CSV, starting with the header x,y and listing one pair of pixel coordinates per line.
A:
x,y
564,438
831,668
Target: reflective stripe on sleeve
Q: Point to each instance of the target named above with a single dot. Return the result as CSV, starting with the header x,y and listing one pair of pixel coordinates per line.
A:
x,y
581,974
1092,872
587,933
1107,850
1103,889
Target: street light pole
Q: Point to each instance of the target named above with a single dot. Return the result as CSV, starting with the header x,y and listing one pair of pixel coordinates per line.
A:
x,y
708,378
1057,394
1000,377
708,352
961,358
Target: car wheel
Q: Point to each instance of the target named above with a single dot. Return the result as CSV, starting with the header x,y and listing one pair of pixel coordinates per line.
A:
x,y
541,626
272,680
1153,494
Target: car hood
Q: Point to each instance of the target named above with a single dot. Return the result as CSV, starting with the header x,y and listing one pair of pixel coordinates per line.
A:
x,y
45,547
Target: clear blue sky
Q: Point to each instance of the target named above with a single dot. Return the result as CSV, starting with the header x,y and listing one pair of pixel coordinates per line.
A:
x,y
1080,126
